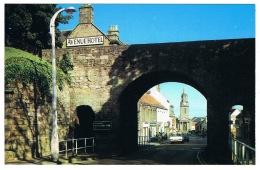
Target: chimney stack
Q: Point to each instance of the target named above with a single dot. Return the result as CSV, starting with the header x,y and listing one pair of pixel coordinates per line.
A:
x,y
86,14
113,33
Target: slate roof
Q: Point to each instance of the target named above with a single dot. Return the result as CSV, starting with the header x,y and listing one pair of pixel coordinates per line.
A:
x,y
197,119
147,99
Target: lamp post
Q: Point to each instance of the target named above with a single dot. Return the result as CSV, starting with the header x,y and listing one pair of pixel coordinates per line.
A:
x,y
54,134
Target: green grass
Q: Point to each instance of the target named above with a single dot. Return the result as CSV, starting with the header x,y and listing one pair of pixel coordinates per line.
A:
x,y
13,52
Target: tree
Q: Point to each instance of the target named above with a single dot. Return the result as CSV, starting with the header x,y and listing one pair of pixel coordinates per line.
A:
x,y
27,26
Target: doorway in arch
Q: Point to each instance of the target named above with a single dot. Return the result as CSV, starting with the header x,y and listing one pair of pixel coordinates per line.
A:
x,y
84,127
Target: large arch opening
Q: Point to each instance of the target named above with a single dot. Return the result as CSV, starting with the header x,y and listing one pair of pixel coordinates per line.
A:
x,y
172,109
130,97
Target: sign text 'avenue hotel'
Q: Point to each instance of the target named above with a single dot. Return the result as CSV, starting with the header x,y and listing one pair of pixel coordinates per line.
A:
x,y
85,41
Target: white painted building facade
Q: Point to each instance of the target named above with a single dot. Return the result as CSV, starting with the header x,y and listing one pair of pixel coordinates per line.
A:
x,y
164,121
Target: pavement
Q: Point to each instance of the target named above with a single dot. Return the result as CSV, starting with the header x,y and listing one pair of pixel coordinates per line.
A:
x,y
92,159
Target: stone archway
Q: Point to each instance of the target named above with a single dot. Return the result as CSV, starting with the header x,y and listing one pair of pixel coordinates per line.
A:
x,y
115,77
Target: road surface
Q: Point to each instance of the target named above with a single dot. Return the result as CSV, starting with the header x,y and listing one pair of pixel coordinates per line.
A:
x,y
158,154
155,154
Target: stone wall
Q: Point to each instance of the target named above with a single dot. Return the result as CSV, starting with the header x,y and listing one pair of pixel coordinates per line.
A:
x,y
28,121
91,77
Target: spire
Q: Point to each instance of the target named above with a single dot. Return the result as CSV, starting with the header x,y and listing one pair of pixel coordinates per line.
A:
x,y
184,97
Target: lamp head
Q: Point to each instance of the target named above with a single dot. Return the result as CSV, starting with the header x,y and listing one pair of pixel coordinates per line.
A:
x,y
70,10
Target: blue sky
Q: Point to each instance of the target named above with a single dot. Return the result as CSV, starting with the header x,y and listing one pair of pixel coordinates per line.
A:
x,y
161,23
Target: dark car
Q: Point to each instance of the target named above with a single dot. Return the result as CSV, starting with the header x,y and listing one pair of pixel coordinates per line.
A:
x,y
154,139
164,135
186,137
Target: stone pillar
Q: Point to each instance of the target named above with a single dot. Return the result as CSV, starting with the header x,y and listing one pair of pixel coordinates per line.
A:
x,y
128,128
250,110
218,131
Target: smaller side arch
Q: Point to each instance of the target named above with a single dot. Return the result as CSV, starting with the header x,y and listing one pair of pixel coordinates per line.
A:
x,y
83,122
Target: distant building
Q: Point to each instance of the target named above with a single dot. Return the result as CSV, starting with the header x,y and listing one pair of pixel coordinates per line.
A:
x,y
234,121
173,120
149,119
167,117
193,126
201,126
240,125
184,119
198,124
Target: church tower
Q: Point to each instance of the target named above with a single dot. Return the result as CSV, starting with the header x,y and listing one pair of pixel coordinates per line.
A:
x,y
184,106
184,119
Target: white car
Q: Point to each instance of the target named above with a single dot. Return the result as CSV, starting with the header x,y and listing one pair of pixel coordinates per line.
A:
x,y
175,137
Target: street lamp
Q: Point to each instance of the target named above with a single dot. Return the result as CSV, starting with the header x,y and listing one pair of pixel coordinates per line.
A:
x,y
54,134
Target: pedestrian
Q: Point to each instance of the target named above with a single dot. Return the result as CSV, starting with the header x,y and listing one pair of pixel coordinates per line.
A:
x,y
160,137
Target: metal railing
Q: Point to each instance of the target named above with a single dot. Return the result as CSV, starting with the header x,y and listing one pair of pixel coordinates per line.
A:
x,y
74,145
241,153
143,140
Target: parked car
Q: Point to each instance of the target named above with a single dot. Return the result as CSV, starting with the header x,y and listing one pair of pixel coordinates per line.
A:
x,y
175,137
186,137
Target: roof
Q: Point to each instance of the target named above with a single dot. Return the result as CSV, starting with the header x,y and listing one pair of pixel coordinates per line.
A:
x,y
150,100
197,119
64,35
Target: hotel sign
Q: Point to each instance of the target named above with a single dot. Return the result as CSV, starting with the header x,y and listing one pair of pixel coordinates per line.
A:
x,y
72,42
